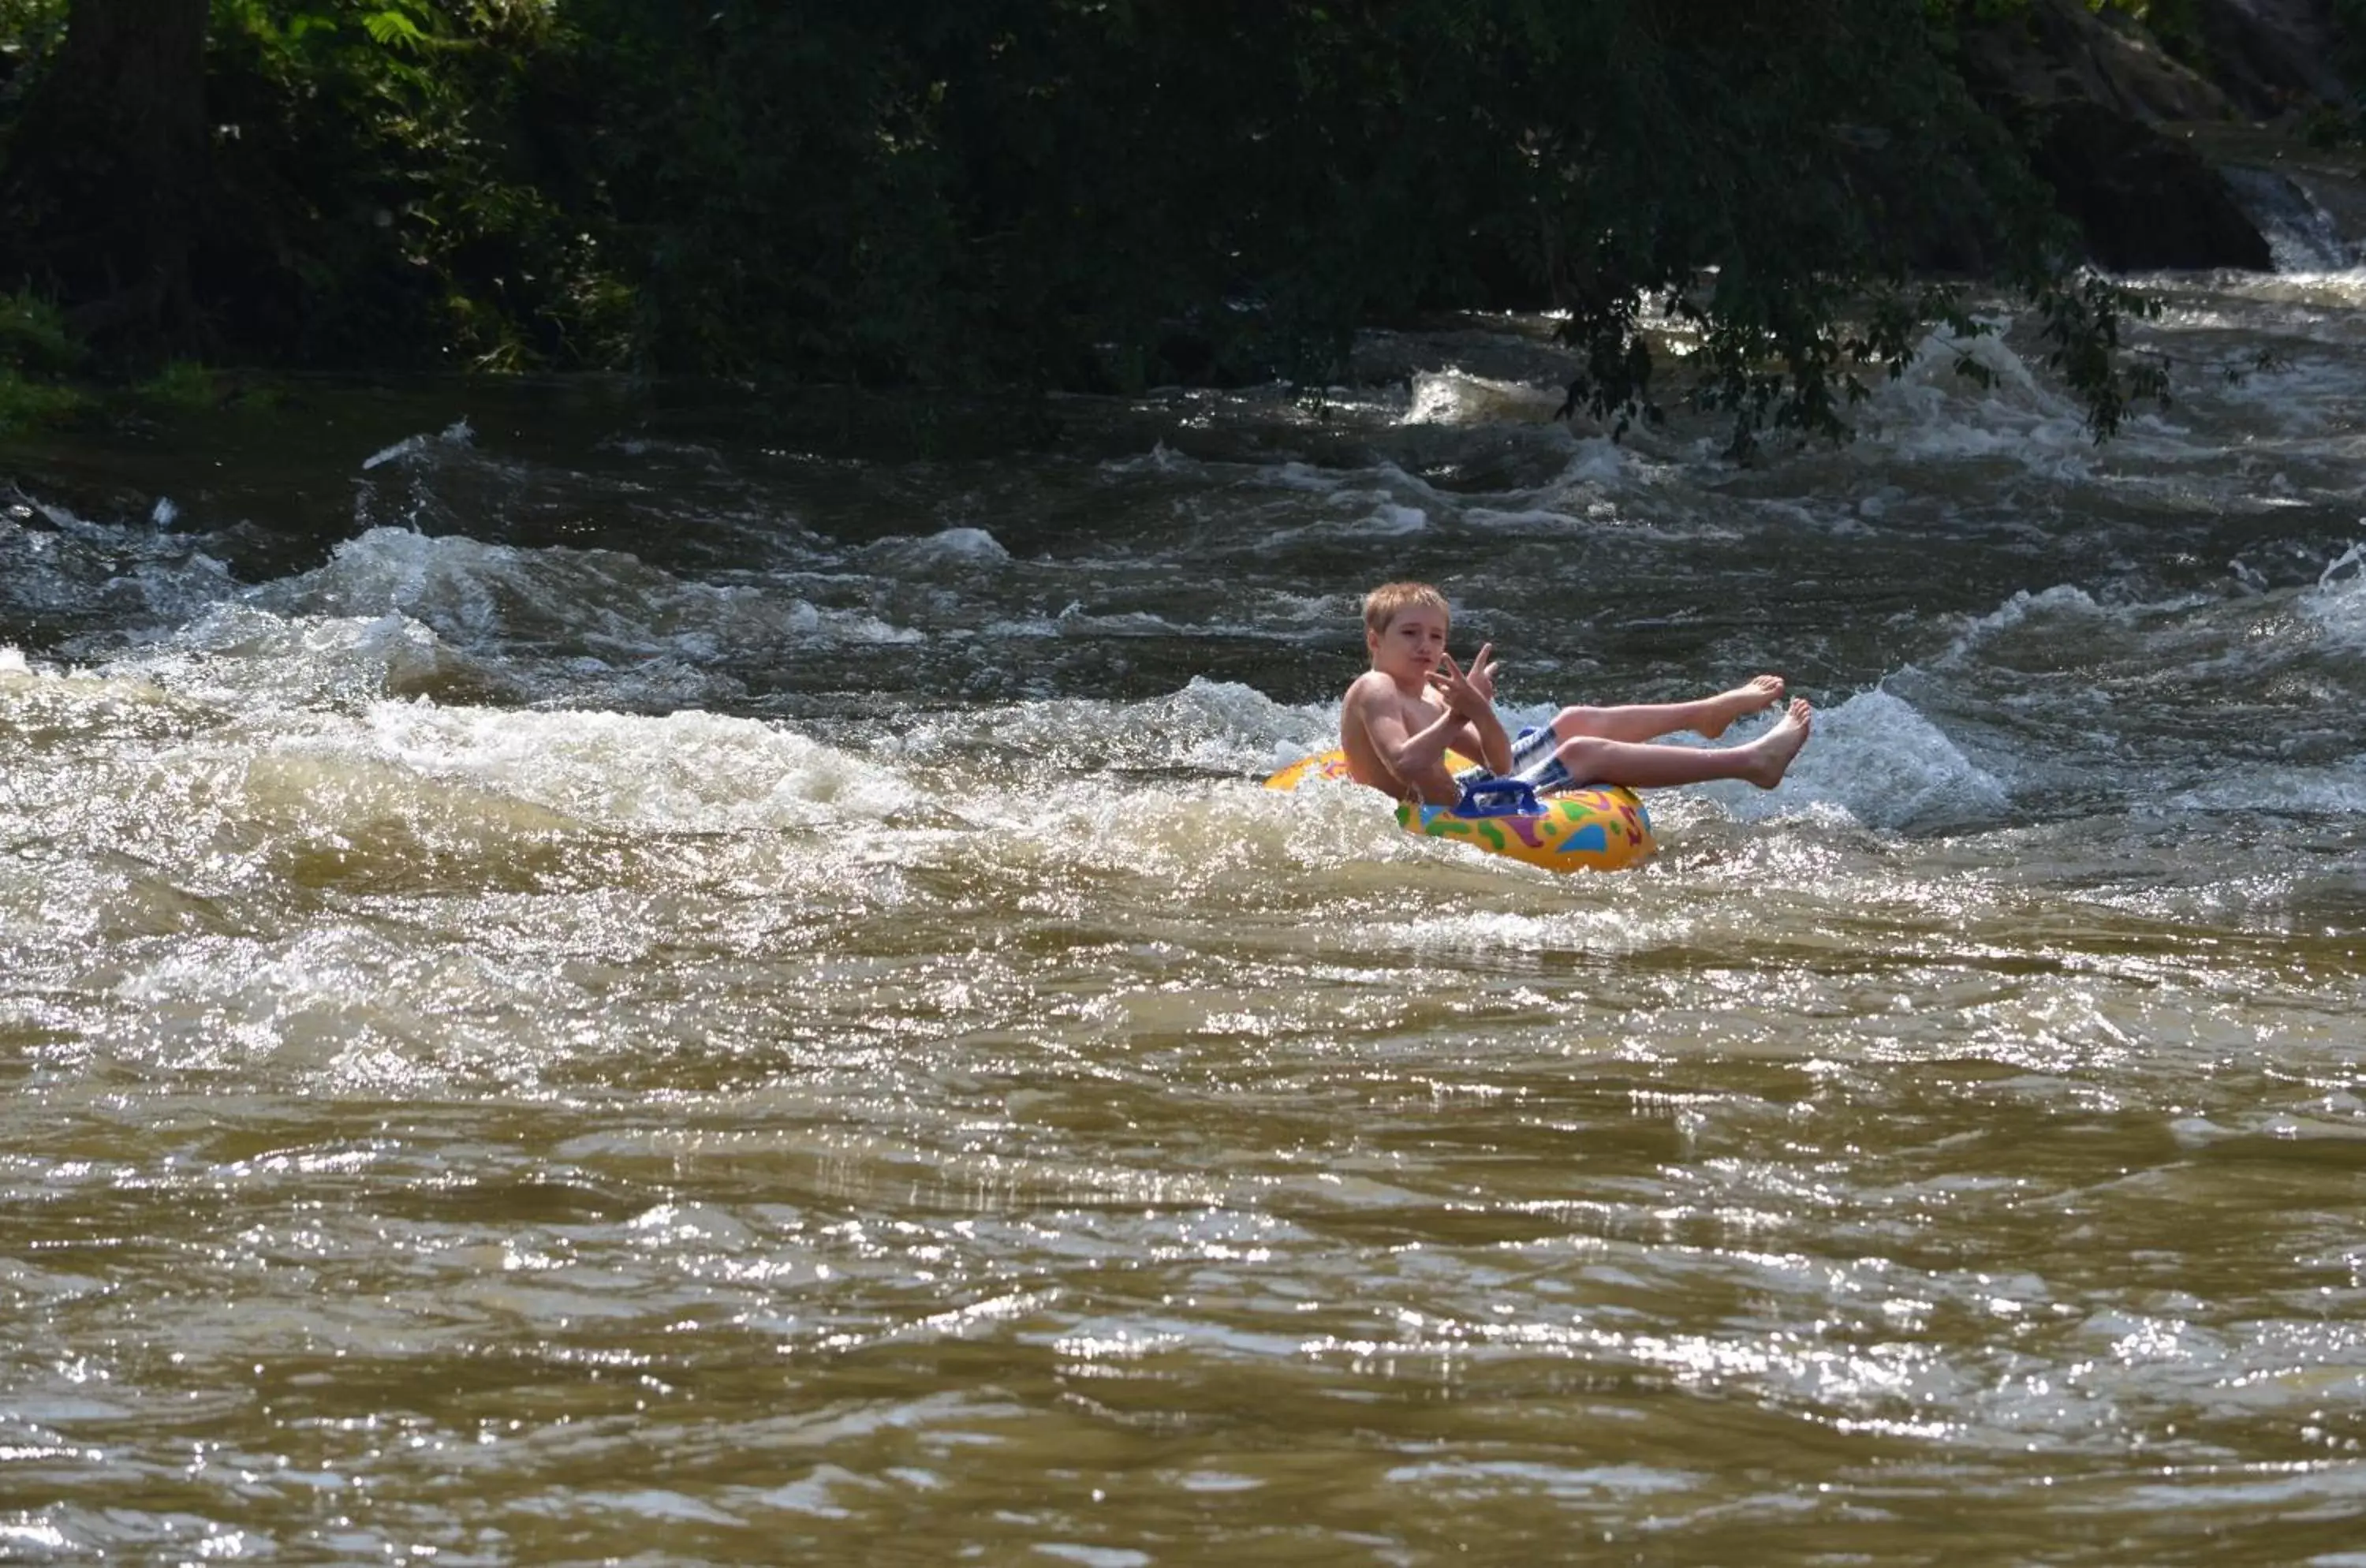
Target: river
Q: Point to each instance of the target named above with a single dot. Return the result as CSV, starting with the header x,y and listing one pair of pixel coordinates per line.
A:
x,y
582,980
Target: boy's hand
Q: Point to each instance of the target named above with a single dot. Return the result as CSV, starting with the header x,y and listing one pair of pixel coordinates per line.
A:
x,y
1482,671
1470,696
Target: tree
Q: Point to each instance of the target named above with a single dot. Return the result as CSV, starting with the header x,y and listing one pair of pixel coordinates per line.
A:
x,y
101,190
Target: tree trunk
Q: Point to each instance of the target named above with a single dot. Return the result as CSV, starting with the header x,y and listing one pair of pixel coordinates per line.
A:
x,y
105,168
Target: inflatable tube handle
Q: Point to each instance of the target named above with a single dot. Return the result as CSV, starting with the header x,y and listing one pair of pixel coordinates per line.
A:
x,y
1498,797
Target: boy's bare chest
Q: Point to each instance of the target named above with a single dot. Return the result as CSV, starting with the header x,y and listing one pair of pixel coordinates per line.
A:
x,y
1417,712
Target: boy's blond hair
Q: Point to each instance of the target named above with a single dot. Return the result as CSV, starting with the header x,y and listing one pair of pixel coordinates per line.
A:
x,y
1390,599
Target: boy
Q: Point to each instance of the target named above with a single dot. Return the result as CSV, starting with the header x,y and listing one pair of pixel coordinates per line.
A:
x,y
1416,703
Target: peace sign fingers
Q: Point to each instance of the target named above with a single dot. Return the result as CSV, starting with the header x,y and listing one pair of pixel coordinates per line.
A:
x,y
1482,671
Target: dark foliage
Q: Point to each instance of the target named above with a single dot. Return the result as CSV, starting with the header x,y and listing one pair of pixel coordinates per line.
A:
x,y
1096,194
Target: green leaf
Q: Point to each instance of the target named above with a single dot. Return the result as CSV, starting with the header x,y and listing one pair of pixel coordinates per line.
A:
x,y
393,29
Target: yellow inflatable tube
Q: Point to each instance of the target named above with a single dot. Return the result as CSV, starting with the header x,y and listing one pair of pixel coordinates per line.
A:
x,y
1600,828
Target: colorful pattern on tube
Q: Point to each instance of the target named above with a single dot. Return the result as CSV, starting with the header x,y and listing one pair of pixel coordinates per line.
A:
x,y
1599,828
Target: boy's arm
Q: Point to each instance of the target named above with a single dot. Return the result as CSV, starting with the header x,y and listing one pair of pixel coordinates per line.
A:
x,y
1486,739
1404,752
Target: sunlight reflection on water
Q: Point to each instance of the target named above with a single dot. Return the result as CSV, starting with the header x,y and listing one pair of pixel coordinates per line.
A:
x,y
796,1033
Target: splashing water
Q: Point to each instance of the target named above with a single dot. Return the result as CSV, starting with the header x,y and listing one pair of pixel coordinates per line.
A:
x,y
675,993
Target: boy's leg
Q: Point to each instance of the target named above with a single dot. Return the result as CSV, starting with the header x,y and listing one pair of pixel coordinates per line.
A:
x,y
1643,721
1594,760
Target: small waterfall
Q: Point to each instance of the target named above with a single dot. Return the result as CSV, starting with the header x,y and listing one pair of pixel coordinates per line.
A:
x,y
2302,236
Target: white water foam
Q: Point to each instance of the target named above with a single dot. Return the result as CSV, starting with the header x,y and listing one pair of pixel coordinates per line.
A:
x,y
1074,620
123,574
1455,397
1302,477
2346,567
246,657
1878,759
1466,936
484,597
2333,791
2062,601
954,547
2302,236
698,453
458,433
1226,726
1392,520
687,772
1936,411
1598,459
2338,603
1032,626
1219,726
1384,516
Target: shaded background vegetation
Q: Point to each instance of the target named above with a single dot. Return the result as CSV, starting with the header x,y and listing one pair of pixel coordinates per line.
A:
x,y
1083,194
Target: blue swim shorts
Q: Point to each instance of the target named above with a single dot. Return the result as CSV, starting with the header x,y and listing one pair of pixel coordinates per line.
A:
x,y
1533,763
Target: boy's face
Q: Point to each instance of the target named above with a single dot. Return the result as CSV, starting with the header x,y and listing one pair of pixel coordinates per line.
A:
x,y
1410,646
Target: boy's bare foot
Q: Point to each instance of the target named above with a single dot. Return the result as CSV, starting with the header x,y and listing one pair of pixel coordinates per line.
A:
x,y
1763,692
1770,753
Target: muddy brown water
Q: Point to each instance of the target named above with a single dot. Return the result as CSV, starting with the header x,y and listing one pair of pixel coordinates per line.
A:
x,y
587,984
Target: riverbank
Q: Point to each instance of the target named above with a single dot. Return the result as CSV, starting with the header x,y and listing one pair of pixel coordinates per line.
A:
x,y
1102,201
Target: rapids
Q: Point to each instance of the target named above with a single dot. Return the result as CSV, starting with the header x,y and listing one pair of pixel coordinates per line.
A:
x,y
584,981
